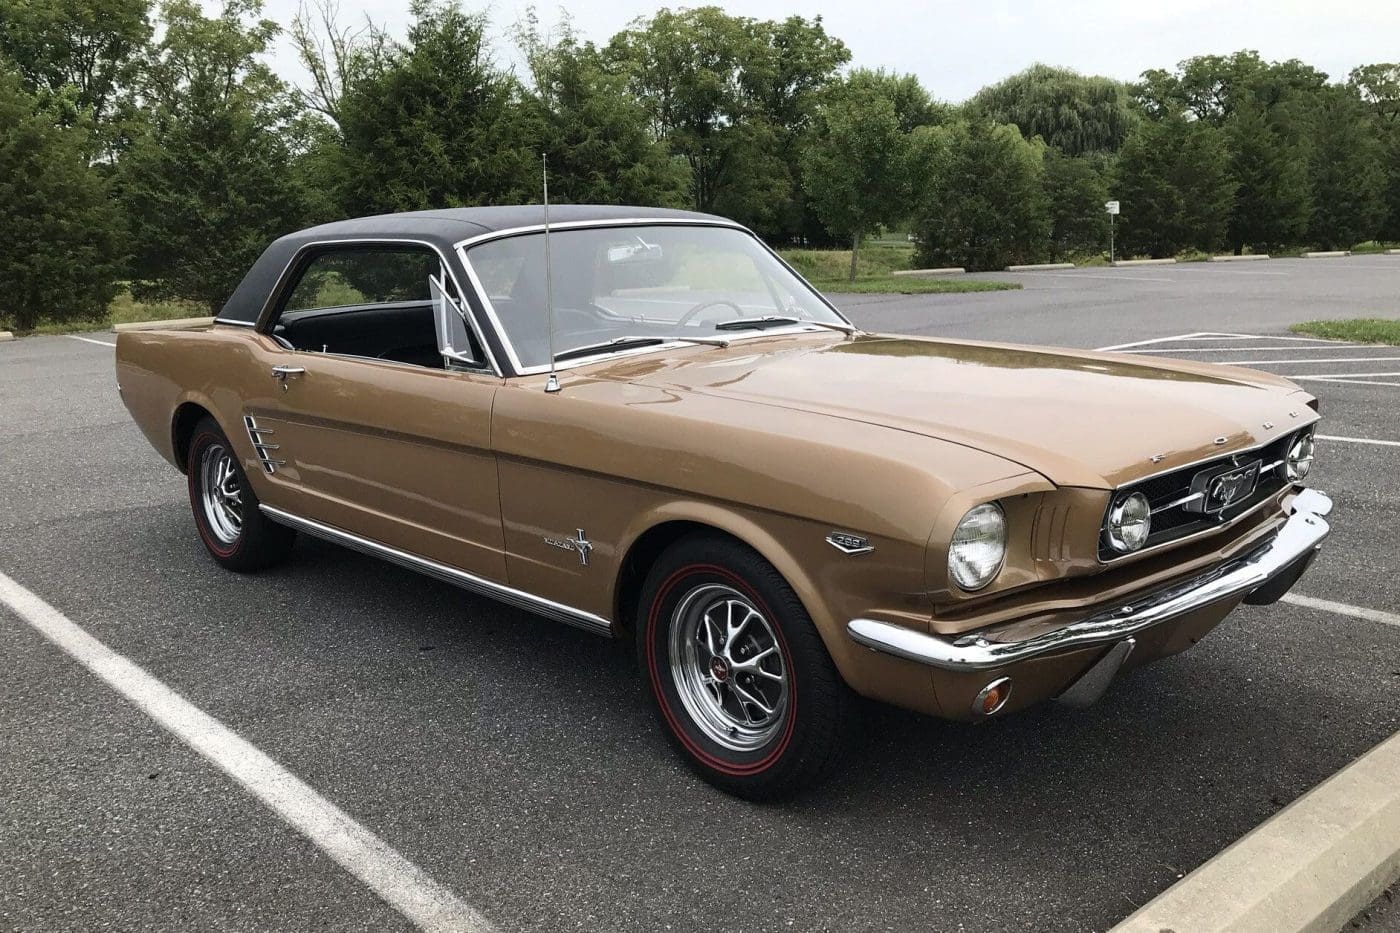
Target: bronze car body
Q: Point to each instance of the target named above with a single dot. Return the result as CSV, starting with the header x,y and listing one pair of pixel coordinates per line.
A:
x,y
845,460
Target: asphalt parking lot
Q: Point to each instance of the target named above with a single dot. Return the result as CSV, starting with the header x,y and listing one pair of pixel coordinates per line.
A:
x,y
515,762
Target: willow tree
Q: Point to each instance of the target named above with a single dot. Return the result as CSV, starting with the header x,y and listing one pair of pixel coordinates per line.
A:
x,y
1075,113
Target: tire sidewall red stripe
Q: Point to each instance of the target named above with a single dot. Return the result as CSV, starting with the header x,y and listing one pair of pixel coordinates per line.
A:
x,y
194,480
659,688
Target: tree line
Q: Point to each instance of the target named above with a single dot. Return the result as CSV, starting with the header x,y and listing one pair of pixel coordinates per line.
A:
x,y
153,148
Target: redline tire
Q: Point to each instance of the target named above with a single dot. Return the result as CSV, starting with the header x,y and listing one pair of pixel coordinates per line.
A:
x,y
713,699
232,527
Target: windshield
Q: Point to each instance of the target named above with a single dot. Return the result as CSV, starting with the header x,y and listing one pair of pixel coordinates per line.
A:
x,y
642,281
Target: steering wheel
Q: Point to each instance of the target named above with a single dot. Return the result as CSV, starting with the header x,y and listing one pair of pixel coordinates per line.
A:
x,y
686,318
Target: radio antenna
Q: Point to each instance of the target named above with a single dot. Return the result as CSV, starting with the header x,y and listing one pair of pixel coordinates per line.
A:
x,y
552,385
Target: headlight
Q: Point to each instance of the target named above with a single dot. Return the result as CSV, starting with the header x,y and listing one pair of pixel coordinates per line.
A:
x,y
1129,523
1300,457
979,547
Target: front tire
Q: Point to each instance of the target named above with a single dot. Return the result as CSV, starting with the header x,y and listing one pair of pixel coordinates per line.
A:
x,y
742,682
234,530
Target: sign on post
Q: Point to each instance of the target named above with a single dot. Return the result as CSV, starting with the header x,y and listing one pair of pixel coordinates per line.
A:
x,y
1111,207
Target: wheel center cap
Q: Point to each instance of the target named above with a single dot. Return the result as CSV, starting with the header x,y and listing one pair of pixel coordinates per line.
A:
x,y
719,669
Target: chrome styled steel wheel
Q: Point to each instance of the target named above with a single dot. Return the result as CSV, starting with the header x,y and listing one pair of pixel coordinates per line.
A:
x,y
221,493
728,668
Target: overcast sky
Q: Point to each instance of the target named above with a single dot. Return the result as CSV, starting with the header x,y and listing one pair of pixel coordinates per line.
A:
x,y
957,47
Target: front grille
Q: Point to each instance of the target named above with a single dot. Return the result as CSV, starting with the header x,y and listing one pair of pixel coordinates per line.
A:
x,y
1172,522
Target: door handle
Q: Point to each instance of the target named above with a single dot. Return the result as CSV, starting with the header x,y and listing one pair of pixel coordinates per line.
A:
x,y
282,372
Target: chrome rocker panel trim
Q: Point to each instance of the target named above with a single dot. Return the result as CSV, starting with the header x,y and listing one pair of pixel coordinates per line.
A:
x,y
517,598
1300,535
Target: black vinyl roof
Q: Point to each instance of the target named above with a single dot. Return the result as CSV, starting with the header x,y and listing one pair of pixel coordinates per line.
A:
x,y
440,228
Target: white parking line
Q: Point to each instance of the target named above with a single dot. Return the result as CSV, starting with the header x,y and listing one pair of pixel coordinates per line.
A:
x,y
100,343
1341,381
1337,359
1143,343
1342,609
1359,440
404,886
1322,349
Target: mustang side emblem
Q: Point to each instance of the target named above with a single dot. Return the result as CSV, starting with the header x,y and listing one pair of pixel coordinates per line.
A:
x,y
847,543
581,544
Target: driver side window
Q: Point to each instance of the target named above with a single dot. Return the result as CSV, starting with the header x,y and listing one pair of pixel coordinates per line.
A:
x,y
372,301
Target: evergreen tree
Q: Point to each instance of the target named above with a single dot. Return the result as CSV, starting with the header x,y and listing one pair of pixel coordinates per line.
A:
x,y
1075,192
979,198
1348,174
59,260
1173,179
1272,197
206,185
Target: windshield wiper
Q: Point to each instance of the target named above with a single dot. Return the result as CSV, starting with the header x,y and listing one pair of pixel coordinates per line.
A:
x,y
763,323
632,343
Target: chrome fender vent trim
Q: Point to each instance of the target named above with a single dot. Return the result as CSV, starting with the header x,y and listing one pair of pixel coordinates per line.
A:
x,y
261,446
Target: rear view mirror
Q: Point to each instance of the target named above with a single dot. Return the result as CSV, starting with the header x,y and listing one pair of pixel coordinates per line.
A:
x,y
453,340
640,251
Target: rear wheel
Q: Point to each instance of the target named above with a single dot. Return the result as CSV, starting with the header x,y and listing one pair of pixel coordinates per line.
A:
x,y
743,685
226,513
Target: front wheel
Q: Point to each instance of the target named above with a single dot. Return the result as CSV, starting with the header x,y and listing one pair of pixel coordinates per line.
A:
x,y
744,686
226,513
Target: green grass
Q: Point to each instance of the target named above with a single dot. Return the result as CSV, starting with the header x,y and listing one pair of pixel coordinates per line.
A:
x,y
828,270
126,310
1359,330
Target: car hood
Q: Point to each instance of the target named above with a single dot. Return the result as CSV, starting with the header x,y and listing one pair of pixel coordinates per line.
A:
x,y
1078,418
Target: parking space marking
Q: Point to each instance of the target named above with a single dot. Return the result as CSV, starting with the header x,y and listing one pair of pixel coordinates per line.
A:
x,y
100,343
1344,381
1196,335
1359,440
1337,359
404,886
1321,349
1343,609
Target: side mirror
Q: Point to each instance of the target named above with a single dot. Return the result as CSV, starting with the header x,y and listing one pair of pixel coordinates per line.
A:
x,y
454,343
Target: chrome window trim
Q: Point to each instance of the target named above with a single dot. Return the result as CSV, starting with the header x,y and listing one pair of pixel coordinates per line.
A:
x,y
519,369
266,310
548,608
219,320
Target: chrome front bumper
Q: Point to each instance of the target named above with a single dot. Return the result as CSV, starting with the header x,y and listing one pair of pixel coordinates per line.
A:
x,y
1281,559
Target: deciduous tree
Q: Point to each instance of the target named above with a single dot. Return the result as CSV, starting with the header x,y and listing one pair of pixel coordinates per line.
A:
x,y
1075,113
855,164
1075,192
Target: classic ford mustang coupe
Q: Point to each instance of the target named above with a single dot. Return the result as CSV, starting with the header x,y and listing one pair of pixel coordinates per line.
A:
x,y
644,423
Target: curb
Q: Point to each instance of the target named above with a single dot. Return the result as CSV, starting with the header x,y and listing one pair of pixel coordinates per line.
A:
x,y
949,270
1392,252
1247,257
1034,267
1327,254
1311,867
6,336
1143,262
183,323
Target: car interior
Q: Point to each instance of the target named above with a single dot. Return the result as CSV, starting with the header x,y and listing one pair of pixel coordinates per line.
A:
x,y
366,302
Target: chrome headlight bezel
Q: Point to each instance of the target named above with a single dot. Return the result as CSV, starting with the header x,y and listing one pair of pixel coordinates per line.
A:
x,y
973,529
1297,462
1129,524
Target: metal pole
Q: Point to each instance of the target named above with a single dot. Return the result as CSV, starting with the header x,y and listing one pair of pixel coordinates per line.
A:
x,y
1110,238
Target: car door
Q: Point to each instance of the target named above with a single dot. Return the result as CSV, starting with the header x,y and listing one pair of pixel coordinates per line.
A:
x,y
364,427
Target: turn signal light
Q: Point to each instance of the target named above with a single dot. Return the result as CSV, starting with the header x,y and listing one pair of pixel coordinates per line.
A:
x,y
992,697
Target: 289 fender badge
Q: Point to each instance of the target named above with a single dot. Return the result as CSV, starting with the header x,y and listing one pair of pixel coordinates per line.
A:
x,y
847,543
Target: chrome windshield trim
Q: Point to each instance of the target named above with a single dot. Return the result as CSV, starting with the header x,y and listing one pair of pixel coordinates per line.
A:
x,y
506,594
519,369
1301,534
219,320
